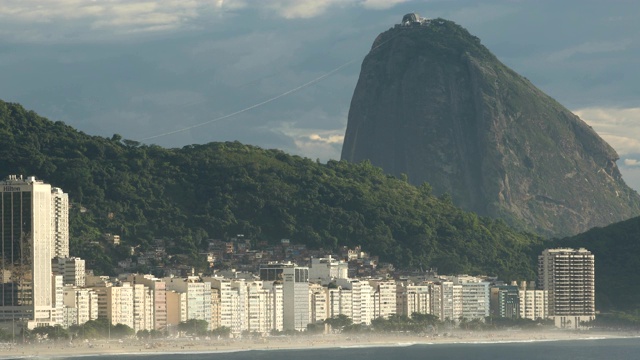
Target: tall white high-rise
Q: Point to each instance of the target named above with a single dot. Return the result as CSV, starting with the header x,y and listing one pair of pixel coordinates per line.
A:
x,y
25,251
59,223
295,291
198,295
569,277
362,299
384,298
476,296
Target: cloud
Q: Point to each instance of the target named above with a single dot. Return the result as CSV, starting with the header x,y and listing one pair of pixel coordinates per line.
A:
x,y
324,146
46,20
631,162
294,9
620,127
330,139
590,48
381,4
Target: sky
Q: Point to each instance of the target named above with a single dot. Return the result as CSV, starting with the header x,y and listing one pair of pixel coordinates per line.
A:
x,y
281,73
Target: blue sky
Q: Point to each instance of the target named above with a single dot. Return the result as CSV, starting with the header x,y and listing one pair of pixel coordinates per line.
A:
x,y
144,68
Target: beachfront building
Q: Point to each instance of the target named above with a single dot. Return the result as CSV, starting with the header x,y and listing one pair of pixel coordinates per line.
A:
x,y
259,309
115,303
475,297
319,303
143,308
276,304
57,290
295,292
505,301
534,303
384,298
339,302
176,309
80,305
568,276
120,308
362,297
158,293
229,306
198,296
26,251
215,308
446,300
413,299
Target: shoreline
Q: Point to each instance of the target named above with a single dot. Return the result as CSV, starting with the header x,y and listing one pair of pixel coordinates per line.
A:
x,y
302,342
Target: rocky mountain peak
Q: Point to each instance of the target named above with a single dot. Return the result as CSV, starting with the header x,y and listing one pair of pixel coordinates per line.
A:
x,y
435,104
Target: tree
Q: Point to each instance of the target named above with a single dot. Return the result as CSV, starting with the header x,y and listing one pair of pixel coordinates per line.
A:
x,y
315,328
51,332
193,327
339,322
120,331
222,331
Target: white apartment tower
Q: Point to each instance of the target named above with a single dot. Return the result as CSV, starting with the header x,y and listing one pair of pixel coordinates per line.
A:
x,y
339,302
60,223
413,299
26,251
259,300
476,295
362,299
159,292
295,291
276,304
569,277
84,303
58,300
142,308
318,303
198,295
533,304
230,306
384,298
446,300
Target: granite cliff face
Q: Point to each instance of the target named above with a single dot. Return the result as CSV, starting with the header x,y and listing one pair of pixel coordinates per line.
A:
x,y
434,104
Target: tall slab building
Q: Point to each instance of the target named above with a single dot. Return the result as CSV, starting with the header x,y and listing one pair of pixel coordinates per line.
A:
x,y
60,223
25,251
569,277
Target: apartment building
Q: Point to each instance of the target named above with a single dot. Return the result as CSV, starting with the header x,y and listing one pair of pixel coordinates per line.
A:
x,y
568,276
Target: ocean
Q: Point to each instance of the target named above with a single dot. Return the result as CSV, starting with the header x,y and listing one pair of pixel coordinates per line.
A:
x,y
608,349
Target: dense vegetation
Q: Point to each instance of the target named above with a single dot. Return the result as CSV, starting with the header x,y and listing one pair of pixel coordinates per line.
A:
x,y
199,192
616,249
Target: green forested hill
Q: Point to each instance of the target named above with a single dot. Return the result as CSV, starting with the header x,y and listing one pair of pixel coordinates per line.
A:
x,y
617,256
218,189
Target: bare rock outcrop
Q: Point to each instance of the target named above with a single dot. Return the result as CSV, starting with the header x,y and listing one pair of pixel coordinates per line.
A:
x,y
433,103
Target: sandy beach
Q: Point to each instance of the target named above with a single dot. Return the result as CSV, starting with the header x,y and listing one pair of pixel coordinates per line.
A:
x,y
103,347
